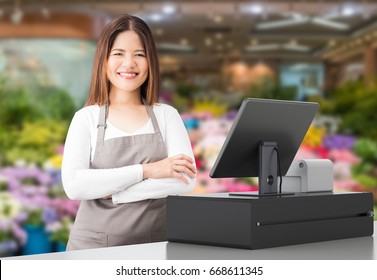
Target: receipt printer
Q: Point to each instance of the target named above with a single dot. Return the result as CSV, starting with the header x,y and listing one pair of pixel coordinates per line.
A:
x,y
313,175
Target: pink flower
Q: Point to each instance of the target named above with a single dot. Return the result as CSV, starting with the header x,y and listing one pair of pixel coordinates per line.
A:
x,y
19,233
344,156
342,170
346,185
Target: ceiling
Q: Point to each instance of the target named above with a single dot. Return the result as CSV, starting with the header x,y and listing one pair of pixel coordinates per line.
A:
x,y
202,34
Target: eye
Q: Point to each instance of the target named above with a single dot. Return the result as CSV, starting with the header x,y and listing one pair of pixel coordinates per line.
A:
x,y
140,54
117,54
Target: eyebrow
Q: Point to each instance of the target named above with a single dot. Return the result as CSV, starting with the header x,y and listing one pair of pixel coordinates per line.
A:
x,y
121,50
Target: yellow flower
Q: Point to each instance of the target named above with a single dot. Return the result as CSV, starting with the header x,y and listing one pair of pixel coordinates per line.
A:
x,y
212,106
56,161
314,136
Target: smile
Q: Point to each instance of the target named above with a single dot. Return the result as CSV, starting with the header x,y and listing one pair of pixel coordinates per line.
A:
x,y
128,75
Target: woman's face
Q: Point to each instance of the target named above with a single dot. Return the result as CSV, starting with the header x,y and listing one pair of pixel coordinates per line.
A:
x,y
127,67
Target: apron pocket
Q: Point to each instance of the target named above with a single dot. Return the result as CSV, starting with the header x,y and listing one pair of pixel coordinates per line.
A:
x,y
83,239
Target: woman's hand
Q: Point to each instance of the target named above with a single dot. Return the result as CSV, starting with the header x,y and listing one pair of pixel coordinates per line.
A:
x,y
171,167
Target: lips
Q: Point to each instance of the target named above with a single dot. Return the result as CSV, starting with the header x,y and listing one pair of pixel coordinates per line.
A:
x,y
128,75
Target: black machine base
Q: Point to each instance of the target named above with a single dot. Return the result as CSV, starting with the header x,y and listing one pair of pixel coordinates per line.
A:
x,y
263,222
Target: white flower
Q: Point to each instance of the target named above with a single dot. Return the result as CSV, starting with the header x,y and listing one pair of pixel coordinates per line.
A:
x,y
9,207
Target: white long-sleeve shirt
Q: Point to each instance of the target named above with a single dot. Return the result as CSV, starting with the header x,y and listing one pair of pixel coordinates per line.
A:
x,y
125,184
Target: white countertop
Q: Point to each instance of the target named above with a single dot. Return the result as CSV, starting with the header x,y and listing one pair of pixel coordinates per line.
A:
x,y
361,248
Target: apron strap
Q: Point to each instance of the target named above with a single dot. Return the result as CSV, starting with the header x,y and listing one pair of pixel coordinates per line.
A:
x,y
152,116
101,125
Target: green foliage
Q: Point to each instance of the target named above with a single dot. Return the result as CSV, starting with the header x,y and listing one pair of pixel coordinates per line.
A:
x,y
34,217
269,89
19,105
38,141
57,103
187,90
32,124
366,180
62,233
16,106
326,106
365,172
362,168
356,104
367,150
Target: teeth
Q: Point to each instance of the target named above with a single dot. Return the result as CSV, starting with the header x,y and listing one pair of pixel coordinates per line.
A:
x,y
128,74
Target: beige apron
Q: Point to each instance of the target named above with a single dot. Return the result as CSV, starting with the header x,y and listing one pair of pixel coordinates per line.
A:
x,y
100,223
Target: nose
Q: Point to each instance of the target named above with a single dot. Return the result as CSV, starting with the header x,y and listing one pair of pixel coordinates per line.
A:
x,y
129,61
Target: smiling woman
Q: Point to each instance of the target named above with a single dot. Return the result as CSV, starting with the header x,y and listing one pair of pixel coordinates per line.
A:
x,y
124,152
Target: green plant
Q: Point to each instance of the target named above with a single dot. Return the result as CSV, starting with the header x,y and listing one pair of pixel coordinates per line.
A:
x,y
36,142
356,104
16,106
186,89
365,172
57,103
268,88
33,123
34,217
61,232
367,150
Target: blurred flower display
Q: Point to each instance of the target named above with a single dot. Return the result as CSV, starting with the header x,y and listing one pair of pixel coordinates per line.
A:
x,y
12,236
31,141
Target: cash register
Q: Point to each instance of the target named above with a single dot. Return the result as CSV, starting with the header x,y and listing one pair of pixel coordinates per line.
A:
x,y
295,202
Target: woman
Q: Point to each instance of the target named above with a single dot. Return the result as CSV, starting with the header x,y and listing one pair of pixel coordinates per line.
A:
x,y
124,152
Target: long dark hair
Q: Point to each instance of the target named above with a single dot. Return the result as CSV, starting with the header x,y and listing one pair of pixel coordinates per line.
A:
x,y
100,84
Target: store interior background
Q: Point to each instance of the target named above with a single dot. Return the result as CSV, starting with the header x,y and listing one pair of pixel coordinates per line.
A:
x,y
213,54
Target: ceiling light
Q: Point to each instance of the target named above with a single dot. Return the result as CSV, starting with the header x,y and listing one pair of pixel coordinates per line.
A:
x,y
282,23
45,13
293,42
219,36
183,41
156,17
208,41
262,47
348,11
254,42
218,19
329,23
299,48
256,9
175,47
168,9
16,16
159,31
